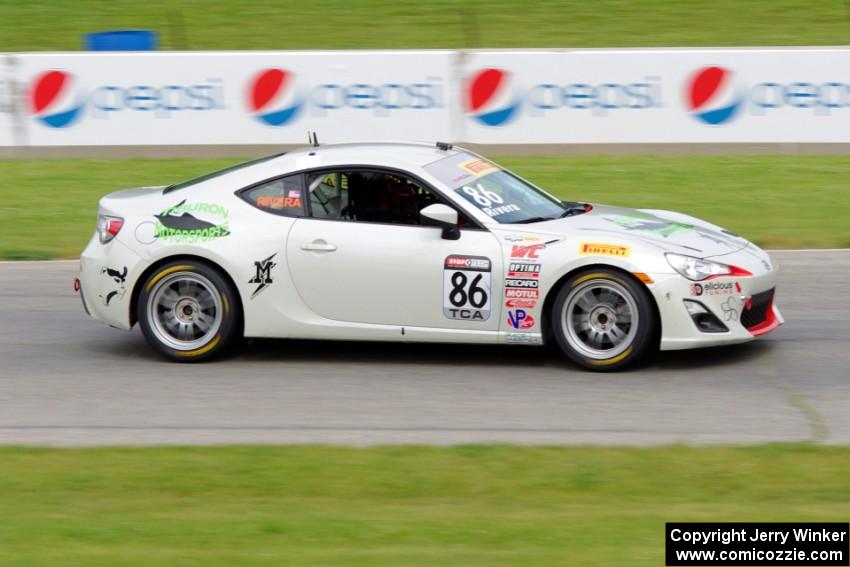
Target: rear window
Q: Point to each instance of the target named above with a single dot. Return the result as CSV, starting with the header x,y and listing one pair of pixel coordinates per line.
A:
x,y
282,196
214,174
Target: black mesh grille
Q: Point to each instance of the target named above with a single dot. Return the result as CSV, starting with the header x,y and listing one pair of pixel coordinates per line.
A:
x,y
757,312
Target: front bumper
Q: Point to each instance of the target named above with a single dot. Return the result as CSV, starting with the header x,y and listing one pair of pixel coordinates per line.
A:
x,y
744,305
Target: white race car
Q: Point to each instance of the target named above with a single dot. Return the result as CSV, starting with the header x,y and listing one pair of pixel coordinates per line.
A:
x,y
414,242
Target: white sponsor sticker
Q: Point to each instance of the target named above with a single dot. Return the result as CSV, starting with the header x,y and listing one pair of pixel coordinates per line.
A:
x,y
466,288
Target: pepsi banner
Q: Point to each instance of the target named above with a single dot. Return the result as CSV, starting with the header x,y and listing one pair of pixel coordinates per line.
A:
x,y
7,102
232,98
657,96
632,96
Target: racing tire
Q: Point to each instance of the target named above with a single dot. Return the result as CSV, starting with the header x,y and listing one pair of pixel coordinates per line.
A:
x,y
604,320
188,312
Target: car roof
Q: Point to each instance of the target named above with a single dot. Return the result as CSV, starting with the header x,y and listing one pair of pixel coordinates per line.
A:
x,y
407,156
404,155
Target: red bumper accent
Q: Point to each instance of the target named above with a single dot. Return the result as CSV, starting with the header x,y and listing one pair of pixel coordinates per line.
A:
x,y
770,323
76,284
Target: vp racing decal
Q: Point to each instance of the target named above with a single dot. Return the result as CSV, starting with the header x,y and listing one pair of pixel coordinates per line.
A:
x,y
466,288
520,319
263,277
181,225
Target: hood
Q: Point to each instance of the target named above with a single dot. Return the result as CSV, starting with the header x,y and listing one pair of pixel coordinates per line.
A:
x,y
668,230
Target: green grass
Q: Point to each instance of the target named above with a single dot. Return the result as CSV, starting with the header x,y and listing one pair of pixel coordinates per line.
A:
x,y
48,207
357,24
412,506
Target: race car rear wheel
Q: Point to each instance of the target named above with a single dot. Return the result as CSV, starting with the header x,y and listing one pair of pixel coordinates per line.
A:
x,y
604,319
188,311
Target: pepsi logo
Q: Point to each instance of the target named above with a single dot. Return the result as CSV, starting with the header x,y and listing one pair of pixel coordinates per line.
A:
x,y
489,98
711,97
272,97
54,99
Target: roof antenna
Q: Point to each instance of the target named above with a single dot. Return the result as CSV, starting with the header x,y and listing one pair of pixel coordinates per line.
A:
x,y
312,139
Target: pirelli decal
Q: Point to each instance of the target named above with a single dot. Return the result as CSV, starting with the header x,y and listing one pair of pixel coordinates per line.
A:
x,y
596,249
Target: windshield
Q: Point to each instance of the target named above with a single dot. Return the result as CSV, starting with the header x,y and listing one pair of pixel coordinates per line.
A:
x,y
205,177
498,193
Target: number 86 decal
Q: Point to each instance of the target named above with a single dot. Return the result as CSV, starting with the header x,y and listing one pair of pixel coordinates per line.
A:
x,y
482,196
466,288
460,296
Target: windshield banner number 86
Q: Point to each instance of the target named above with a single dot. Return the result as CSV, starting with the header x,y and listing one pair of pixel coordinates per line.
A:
x,y
466,288
488,201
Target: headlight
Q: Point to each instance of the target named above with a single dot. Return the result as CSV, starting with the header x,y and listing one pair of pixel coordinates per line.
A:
x,y
698,269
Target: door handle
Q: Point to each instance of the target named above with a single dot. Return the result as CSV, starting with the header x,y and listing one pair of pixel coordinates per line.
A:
x,y
318,246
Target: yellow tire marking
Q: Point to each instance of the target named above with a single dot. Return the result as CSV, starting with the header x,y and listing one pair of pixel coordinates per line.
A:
x,y
613,360
165,272
226,304
596,276
199,351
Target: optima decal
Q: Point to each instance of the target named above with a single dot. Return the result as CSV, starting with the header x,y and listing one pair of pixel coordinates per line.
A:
x,y
179,224
263,277
595,249
516,269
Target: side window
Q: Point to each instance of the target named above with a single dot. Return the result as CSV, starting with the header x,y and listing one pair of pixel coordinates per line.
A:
x,y
328,195
282,196
368,196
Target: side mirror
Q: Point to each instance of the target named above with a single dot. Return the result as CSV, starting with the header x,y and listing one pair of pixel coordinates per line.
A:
x,y
443,216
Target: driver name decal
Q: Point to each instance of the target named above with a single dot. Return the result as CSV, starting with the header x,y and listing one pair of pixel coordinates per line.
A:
x,y
466,288
488,201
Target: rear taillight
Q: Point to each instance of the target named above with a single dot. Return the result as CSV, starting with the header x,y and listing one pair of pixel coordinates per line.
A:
x,y
108,227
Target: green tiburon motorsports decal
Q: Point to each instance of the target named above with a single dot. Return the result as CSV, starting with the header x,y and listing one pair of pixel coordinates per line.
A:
x,y
650,224
179,223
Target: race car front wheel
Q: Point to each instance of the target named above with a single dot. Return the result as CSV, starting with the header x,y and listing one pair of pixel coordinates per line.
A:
x,y
188,311
604,320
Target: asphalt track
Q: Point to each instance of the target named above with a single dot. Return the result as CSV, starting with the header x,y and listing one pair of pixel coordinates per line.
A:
x,y
68,380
